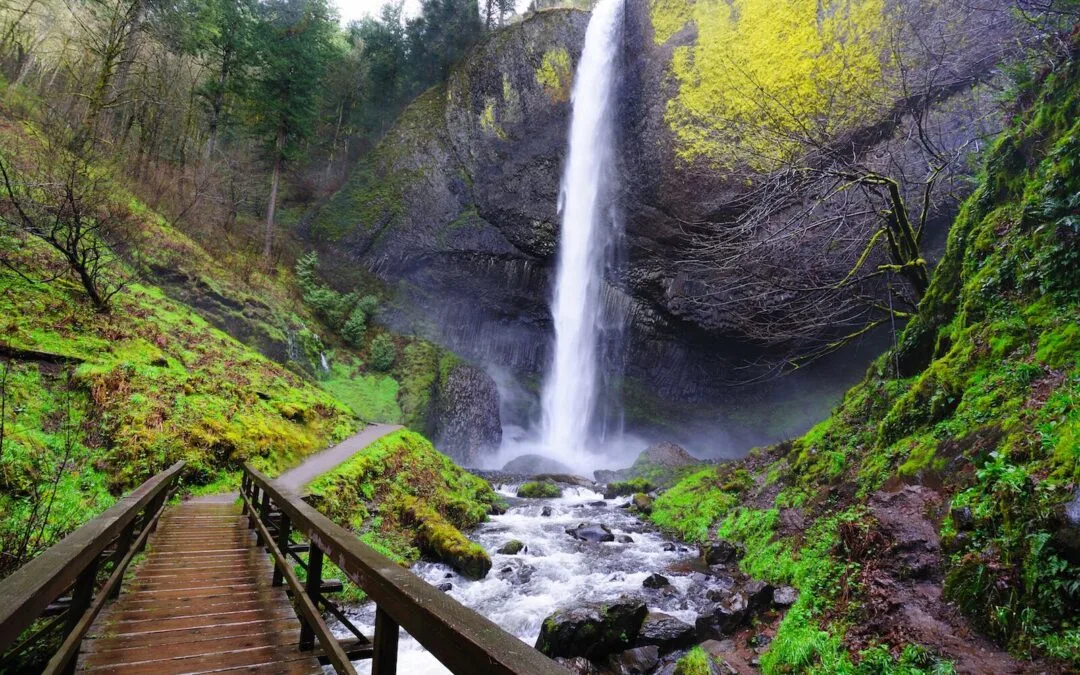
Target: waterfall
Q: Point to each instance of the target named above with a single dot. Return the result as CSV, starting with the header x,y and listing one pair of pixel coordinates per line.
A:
x,y
588,231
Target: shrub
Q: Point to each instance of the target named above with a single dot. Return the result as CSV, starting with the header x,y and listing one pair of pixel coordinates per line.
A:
x,y
354,328
382,353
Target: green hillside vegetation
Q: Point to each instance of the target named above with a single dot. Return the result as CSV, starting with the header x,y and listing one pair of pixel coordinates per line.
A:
x,y
978,406
405,499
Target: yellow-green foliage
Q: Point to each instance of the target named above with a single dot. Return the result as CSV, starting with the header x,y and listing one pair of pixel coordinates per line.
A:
x,y
761,69
694,662
444,541
371,494
555,74
668,18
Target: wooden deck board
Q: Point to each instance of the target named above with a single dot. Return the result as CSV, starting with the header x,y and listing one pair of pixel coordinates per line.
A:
x,y
200,602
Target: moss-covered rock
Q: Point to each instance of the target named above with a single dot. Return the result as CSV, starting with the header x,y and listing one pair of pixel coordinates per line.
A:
x,y
404,498
539,490
627,487
442,540
592,630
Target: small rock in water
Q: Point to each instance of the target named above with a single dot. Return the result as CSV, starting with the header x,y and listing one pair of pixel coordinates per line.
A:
x,y
785,596
599,504
448,575
637,661
445,587
546,512
624,539
591,533
655,581
669,547
642,502
666,632
512,547
721,552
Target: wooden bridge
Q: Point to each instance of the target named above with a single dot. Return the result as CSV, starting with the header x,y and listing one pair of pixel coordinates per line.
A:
x,y
218,591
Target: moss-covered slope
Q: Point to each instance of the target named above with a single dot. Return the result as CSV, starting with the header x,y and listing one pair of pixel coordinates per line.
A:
x,y
404,498
942,477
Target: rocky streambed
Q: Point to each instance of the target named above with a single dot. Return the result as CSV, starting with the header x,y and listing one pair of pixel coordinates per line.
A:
x,y
584,579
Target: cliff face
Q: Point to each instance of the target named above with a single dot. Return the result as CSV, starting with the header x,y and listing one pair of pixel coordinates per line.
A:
x,y
457,207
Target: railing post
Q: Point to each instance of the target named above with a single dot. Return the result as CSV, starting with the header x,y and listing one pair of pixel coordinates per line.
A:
x,y
82,594
264,516
384,658
253,497
283,546
314,584
123,543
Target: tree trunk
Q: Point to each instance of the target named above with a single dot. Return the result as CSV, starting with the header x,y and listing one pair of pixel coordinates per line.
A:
x,y
274,180
131,47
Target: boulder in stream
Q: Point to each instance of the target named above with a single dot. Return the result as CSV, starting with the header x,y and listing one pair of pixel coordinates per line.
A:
x,y
655,581
721,552
593,630
591,533
532,465
636,661
512,547
666,632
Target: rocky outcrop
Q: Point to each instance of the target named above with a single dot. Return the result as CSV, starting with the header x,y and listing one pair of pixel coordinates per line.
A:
x,y
457,207
467,423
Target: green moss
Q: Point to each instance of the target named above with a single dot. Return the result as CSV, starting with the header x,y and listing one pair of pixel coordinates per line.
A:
x,y
539,490
407,498
628,487
555,74
690,507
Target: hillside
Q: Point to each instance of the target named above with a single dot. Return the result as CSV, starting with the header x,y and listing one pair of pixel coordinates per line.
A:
x,y
939,501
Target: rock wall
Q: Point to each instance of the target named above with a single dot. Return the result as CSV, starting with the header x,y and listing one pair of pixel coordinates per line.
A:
x,y
457,207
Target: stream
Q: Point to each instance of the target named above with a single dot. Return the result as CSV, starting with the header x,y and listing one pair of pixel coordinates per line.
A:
x,y
554,571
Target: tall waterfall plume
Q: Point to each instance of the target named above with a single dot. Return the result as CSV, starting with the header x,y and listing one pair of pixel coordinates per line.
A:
x,y
589,226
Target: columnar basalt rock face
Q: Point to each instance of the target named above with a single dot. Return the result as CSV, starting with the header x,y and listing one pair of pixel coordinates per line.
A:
x,y
457,207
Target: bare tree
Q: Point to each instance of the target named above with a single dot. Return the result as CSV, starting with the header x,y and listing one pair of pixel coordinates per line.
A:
x,y
829,243
66,204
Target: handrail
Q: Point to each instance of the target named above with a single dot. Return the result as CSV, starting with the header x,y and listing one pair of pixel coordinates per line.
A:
x,y
73,561
463,640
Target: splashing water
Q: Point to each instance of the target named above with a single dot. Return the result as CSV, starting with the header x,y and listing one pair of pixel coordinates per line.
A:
x,y
588,228
554,571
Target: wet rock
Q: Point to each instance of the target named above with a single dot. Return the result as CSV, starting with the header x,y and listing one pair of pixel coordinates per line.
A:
x,y
721,583
784,596
759,595
444,587
624,539
530,465
1067,534
627,488
601,504
593,630
669,547
721,552
591,533
963,519
667,455
642,502
606,476
655,581
519,574
578,665
512,547
666,632
565,477
722,618
916,548
546,512
637,661
467,423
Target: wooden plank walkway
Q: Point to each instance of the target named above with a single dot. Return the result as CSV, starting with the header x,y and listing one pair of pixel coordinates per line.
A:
x,y
201,602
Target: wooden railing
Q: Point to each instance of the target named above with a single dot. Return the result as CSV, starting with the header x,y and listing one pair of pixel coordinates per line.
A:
x,y
60,586
461,639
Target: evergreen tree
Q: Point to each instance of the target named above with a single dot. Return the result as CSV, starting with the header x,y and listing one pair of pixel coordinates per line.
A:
x,y
296,45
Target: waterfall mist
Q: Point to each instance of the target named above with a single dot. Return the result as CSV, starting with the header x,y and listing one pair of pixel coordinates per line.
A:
x,y
590,229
